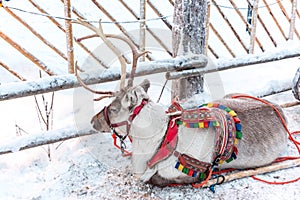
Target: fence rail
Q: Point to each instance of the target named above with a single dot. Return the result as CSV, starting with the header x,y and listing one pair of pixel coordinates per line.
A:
x,y
55,83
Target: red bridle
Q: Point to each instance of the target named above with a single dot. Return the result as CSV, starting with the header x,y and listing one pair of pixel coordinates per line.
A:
x,y
126,123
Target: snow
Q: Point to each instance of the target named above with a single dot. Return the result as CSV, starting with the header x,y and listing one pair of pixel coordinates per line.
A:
x,y
90,167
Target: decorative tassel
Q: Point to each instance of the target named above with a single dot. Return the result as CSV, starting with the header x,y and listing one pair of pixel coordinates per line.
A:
x,y
222,107
221,162
179,122
191,172
202,176
238,127
232,113
203,105
236,141
194,174
236,120
210,105
239,134
201,124
185,170
229,160
205,124
180,167
235,150
233,156
227,109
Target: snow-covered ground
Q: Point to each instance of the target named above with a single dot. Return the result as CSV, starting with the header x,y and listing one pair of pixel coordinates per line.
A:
x,y
91,168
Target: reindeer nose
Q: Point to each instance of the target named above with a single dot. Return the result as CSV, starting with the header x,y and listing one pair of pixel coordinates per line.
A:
x,y
98,126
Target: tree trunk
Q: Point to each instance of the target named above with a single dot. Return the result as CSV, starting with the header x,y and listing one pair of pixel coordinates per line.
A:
x,y
189,37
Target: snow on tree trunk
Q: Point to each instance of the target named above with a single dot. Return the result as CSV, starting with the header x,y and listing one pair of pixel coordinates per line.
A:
x,y
69,36
189,36
296,85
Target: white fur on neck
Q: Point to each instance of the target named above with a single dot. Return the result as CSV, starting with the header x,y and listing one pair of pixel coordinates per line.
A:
x,y
147,131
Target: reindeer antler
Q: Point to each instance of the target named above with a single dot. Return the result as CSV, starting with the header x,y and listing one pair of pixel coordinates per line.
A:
x,y
135,54
106,93
99,32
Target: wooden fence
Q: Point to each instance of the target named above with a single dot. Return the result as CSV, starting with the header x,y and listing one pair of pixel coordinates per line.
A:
x,y
236,28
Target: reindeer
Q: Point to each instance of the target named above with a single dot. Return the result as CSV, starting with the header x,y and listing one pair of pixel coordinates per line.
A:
x,y
191,154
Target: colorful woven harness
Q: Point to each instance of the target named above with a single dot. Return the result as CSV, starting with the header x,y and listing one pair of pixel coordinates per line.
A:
x,y
227,129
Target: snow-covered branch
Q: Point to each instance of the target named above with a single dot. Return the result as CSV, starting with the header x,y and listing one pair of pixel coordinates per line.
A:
x,y
55,83
48,137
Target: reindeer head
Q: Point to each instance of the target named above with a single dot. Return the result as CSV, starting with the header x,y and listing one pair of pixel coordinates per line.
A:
x,y
116,115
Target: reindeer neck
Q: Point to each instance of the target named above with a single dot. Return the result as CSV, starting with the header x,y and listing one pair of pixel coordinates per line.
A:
x,y
147,132
149,123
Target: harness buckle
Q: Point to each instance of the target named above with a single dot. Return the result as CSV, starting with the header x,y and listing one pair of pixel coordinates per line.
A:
x,y
123,146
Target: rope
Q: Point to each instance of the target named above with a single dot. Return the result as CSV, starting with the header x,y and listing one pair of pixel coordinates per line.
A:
x,y
197,185
296,143
125,152
259,7
90,21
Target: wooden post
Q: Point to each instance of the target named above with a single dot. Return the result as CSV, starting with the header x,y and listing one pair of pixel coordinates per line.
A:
x,y
293,19
189,37
69,36
142,27
121,28
254,25
285,13
245,22
150,31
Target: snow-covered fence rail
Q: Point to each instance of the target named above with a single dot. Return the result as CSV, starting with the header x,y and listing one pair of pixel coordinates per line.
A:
x,y
250,59
55,83
226,64
175,68
48,137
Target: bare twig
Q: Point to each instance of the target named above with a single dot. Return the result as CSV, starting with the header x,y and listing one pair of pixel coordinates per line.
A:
x,y
162,90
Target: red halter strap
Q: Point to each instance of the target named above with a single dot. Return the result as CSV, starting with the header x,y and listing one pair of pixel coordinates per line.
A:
x,y
126,123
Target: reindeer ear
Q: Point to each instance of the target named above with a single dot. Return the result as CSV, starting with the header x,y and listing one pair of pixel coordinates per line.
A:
x,y
131,99
145,85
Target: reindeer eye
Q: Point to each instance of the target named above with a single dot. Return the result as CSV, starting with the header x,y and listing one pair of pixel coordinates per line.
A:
x,y
113,109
